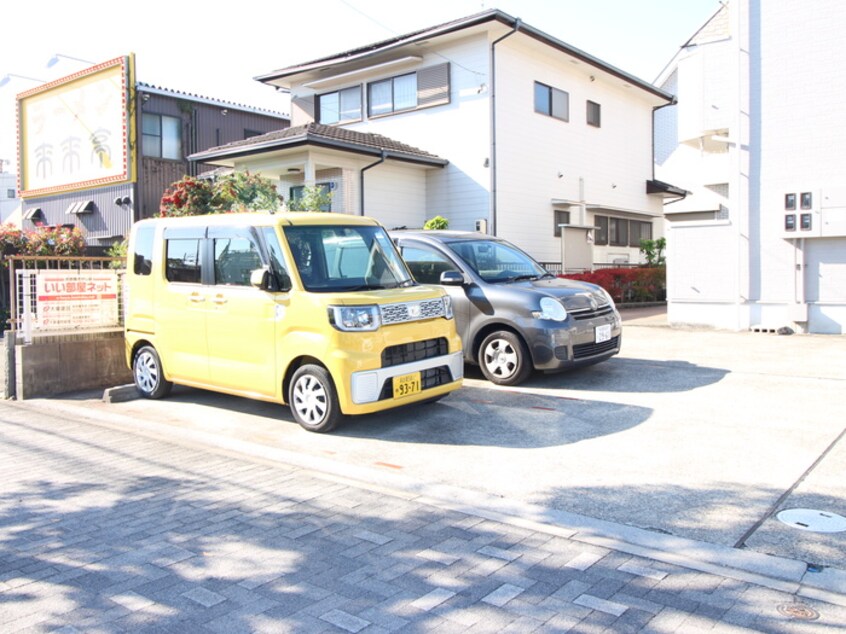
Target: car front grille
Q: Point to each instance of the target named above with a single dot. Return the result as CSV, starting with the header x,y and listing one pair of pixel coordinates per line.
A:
x,y
414,351
589,313
433,377
412,311
587,350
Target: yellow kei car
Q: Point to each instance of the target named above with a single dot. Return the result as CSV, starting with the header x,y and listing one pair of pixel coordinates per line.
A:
x,y
315,310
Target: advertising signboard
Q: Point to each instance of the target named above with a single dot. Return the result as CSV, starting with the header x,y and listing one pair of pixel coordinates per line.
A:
x,y
75,132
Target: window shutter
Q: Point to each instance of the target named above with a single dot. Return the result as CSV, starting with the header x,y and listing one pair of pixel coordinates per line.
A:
x,y
306,106
433,85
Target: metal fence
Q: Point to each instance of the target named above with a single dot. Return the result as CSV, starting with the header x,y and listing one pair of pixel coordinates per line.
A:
x,y
556,269
50,296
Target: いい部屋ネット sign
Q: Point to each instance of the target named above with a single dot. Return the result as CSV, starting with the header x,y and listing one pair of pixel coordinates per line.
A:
x,y
76,300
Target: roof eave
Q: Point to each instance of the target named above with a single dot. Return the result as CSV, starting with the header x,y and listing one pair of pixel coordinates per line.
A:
x,y
209,156
386,45
493,15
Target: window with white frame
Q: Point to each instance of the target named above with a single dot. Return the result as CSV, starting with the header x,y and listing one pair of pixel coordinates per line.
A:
x,y
339,106
552,102
161,136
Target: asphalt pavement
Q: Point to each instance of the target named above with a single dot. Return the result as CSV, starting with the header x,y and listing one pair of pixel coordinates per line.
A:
x,y
678,455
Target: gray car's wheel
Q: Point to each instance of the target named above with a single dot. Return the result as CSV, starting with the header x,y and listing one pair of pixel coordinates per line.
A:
x,y
149,375
504,358
313,399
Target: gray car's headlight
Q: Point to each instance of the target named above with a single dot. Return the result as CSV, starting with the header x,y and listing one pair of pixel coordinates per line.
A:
x,y
605,295
354,318
551,309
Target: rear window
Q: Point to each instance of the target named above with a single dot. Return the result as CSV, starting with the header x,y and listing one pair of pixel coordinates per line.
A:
x,y
142,251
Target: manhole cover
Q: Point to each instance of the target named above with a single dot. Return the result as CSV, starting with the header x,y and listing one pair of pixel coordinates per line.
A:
x,y
813,520
798,611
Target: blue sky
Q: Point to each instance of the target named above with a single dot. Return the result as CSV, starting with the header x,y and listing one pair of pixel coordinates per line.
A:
x,y
215,52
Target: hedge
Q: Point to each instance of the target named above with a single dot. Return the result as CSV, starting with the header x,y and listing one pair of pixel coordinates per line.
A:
x,y
628,285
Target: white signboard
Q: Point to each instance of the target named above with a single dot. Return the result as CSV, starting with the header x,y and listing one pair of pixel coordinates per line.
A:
x,y
74,132
76,300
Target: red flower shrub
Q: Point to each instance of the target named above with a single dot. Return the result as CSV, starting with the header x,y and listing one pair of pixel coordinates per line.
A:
x,y
187,197
66,241
627,284
11,239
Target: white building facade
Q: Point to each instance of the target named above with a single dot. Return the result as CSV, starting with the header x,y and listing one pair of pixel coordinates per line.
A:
x,y
9,201
757,137
541,143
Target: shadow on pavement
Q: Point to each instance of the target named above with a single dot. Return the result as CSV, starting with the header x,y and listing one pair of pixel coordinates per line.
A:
x,y
623,375
471,416
718,514
153,544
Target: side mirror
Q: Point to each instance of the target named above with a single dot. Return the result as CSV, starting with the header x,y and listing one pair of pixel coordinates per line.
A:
x,y
452,278
260,278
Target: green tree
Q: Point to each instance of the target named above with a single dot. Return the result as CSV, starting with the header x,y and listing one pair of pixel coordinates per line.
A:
x,y
312,198
242,191
438,222
239,191
653,251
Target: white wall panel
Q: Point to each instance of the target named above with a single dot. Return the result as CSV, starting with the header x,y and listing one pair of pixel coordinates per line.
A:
x,y
541,158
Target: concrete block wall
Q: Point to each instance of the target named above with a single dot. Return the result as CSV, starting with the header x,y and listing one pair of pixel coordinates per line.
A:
x,y
66,364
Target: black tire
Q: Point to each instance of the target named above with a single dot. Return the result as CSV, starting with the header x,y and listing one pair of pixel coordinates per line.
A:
x,y
149,375
313,399
504,358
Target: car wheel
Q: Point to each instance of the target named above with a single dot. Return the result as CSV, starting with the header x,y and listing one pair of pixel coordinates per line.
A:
x,y
313,399
148,373
504,358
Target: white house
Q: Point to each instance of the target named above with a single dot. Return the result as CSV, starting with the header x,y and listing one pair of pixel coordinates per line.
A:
x,y
757,137
502,128
9,200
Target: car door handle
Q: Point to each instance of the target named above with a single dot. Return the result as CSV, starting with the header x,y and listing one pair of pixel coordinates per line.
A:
x,y
219,299
196,298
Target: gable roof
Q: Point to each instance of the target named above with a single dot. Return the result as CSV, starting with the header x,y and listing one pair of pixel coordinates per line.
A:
x,y
493,15
320,135
141,86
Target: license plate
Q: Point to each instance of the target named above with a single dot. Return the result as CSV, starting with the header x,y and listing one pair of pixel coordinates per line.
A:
x,y
603,333
407,384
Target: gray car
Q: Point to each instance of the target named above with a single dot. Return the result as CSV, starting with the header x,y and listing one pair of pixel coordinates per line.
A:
x,y
513,316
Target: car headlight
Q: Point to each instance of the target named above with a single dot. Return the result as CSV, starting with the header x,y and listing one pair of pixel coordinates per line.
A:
x,y
551,309
447,306
354,318
606,296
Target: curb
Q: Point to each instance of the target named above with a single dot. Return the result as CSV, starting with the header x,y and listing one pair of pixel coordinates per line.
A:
x,y
778,573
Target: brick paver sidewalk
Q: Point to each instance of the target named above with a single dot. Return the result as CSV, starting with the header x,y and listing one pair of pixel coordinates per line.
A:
x,y
107,531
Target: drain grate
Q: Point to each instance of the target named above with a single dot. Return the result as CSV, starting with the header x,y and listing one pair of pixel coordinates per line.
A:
x,y
798,611
813,520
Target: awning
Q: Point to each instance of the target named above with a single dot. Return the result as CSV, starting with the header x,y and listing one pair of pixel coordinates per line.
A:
x,y
34,214
82,207
665,189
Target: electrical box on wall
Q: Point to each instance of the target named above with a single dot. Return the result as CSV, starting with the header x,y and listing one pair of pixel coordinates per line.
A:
x,y
800,217
814,213
482,225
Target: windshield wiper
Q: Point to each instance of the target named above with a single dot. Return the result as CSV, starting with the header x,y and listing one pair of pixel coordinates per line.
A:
x,y
360,287
520,278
